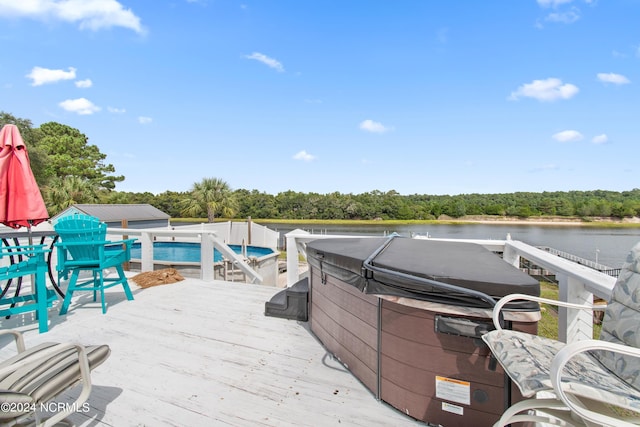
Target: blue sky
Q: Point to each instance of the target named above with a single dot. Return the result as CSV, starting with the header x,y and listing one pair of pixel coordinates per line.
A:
x,y
427,97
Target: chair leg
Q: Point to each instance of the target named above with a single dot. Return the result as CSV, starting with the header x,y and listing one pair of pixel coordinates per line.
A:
x,y
125,283
514,413
96,276
69,293
41,301
101,286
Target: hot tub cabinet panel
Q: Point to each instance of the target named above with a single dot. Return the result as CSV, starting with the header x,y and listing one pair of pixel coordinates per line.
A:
x,y
346,321
415,357
427,363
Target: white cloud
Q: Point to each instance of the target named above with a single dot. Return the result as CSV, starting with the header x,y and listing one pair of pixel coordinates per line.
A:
x,y
600,139
116,110
144,120
80,106
84,83
568,136
304,156
567,17
270,62
617,79
547,167
94,15
550,89
40,76
374,127
552,3
560,13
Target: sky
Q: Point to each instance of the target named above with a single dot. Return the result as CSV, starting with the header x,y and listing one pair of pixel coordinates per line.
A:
x,y
421,97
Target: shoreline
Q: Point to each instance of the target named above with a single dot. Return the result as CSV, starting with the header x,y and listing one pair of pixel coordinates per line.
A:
x,y
596,221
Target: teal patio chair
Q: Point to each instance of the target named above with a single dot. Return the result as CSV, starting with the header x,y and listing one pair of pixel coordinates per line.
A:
x,y
21,262
83,247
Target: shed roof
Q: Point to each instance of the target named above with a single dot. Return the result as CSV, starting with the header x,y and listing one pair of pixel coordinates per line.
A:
x,y
118,212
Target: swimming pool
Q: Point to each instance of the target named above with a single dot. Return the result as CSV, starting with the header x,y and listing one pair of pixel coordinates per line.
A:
x,y
190,252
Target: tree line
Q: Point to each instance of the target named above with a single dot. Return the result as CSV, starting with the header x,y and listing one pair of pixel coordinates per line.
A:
x,y
70,171
392,205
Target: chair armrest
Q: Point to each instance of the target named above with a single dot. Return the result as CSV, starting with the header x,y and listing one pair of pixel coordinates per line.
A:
x,y
17,336
85,378
87,243
22,247
24,250
504,300
121,242
96,243
565,355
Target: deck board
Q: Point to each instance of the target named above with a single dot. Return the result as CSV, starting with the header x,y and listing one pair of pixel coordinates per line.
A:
x,y
196,353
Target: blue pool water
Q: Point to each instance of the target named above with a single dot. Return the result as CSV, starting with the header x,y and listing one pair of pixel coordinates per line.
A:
x,y
190,252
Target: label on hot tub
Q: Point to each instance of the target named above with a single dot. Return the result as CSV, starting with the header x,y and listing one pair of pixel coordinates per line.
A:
x,y
454,409
453,390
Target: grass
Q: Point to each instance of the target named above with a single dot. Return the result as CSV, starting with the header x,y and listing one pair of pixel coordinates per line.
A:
x,y
548,324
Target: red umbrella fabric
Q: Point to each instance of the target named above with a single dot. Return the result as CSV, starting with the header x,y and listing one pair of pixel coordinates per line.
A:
x,y
21,204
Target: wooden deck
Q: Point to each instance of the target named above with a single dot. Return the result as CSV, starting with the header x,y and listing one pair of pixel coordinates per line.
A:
x,y
203,354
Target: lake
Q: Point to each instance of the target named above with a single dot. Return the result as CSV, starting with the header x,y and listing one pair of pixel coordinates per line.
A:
x,y
608,246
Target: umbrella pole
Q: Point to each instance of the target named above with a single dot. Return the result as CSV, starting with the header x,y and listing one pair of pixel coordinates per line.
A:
x,y
33,276
30,235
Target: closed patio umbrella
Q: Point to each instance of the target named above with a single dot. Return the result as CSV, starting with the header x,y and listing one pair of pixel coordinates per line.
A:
x,y
21,203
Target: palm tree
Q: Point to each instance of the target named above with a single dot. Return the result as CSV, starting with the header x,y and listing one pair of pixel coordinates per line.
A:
x,y
213,196
64,192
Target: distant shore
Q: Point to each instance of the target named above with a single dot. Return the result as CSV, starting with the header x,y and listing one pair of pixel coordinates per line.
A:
x,y
594,221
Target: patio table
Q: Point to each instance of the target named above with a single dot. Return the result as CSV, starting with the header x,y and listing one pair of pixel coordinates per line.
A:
x,y
9,238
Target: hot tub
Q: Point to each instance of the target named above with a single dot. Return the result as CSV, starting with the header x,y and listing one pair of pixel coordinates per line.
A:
x,y
406,315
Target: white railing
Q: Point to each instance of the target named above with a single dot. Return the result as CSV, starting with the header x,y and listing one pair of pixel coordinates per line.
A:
x,y
576,283
207,239
239,232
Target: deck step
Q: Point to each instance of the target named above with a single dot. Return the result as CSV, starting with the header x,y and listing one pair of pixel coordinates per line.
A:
x,y
290,303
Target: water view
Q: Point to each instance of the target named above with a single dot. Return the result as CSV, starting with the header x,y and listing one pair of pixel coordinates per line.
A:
x,y
608,246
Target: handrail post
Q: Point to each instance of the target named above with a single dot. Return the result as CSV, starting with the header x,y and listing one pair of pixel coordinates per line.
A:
x,y
146,251
292,259
511,256
206,257
574,325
